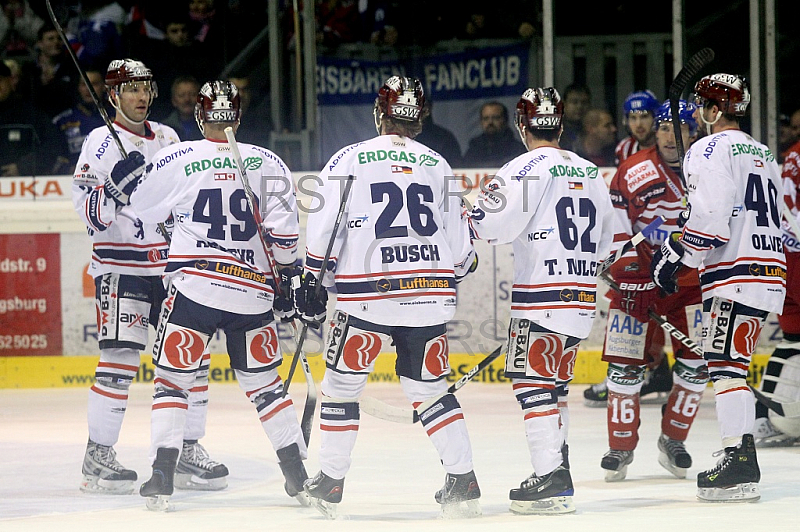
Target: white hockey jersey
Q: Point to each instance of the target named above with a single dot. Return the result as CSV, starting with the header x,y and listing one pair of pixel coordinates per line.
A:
x,y
121,242
733,235
403,239
555,210
216,258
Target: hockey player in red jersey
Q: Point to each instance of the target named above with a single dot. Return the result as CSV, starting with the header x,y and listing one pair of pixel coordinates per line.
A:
x,y
219,277
128,257
554,209
640,109
395,262
732,235
648,185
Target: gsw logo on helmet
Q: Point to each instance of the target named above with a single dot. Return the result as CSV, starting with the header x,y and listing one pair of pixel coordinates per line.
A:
x,y
401,98
640,102
126,70
217,101
539,108
728,90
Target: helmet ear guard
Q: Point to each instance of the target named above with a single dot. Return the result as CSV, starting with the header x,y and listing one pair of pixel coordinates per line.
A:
x,y
217,102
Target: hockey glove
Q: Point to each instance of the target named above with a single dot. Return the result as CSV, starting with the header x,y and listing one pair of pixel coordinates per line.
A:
x,y
124,177
666,264
638,297
312,308
284,306
472,268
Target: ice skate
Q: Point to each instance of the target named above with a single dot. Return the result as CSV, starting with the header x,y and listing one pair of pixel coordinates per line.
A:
x,y
159,488
657,384
325,494
459,489
294,472
196,471
616,464
102,473
673,456
766,435
596,395
565,455
545,495
735,478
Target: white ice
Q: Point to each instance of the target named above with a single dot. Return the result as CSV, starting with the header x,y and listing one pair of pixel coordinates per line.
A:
x,y
394,475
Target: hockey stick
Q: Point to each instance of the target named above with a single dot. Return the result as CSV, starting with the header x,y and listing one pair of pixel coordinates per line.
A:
x,y
95,99
693,66
379,409
667,326
310,406
646,232
324,268
780,408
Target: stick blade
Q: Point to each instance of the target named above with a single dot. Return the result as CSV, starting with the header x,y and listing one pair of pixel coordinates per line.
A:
x,y
693,66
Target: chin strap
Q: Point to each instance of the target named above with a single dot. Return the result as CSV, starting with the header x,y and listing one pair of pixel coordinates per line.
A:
x,y
113,99
709,124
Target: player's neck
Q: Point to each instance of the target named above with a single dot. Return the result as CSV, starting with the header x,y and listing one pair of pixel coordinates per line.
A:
x,y
139,129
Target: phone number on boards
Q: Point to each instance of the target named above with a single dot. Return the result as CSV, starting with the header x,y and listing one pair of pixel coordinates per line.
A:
x,y
23,341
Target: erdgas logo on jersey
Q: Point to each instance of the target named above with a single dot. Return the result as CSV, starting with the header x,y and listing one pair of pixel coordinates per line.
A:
x,y
562,170
251,163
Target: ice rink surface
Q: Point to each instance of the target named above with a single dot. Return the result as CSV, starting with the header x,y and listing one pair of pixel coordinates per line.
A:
x,y
394,475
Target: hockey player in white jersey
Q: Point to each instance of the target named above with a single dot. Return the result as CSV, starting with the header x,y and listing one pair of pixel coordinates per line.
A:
x,y
219,277
399,252
733,236
553,207
128,257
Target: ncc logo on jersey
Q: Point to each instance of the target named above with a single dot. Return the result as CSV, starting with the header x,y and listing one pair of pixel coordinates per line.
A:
x,y
358,221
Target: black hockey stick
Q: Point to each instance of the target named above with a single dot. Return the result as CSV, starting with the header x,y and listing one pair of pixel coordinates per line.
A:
x,y
95,98
311,394
324,268
780,408
379,409
646,232
667,326
693,66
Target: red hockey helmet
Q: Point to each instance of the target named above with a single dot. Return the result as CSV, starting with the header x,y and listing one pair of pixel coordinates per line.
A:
x,y
728,90
217,101
401,98
539,108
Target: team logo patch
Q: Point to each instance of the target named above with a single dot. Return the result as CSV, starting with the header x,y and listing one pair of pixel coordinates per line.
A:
x,y
183,348
262,346
745,335
566,369
436,362
252,163
544,355
361,350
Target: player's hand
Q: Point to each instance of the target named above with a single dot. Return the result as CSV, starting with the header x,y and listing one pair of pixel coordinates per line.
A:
x,y
124,177
311,307
284,306
666,264
637,297
472,267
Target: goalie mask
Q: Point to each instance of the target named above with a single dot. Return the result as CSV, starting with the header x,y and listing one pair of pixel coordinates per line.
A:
x,y
129,75
539,108
400,98
217,102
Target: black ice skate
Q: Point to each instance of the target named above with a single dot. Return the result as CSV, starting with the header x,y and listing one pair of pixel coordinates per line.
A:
x,y
616,464
657,384
549,494
294,472
565,455
596,395
736,477
459,489
673,456
159,488
196,471
102,473
325,493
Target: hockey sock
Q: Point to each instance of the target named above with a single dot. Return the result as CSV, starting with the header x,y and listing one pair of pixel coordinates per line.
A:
x,y
444,423
541,417
735,410
690,380
623,420
108,396
276,413
563,410
170,403
338,425
198,403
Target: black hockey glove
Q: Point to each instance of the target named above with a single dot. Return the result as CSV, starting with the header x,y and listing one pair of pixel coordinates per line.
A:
x,y
283,306
124,177
666,264
312,309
